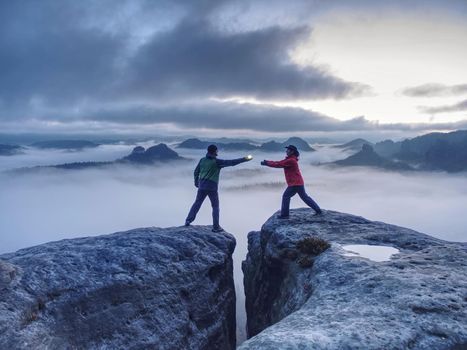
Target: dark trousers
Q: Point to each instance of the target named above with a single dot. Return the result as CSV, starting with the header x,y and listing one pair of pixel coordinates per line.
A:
x,y
292,191
200,197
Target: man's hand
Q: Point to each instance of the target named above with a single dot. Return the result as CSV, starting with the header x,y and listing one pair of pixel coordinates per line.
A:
x,y
248,157
264,162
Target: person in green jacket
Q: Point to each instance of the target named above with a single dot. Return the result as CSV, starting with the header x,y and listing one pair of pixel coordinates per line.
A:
x,y
207,180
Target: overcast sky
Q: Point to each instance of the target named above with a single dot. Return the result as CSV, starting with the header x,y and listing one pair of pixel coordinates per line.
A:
x,y
233,67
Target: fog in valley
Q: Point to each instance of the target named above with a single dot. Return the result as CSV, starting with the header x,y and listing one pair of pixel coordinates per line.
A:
x,y
54,204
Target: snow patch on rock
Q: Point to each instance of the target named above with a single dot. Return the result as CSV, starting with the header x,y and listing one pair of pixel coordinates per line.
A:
x,y
372,252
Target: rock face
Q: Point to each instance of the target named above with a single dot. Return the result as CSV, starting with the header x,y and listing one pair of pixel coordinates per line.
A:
x,y
312,300
147,288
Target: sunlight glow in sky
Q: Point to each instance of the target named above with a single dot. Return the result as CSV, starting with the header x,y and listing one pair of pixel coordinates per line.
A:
x,y
389,52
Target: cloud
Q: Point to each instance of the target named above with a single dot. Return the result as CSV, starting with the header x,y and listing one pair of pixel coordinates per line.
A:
x,y
59,62
50,56
196,59
213,117
434,89
231,116
457,107
225,116
73,54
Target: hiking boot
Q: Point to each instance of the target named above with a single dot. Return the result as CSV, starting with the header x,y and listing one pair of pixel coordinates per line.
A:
x,y
187,223
318,213
217,229
282,217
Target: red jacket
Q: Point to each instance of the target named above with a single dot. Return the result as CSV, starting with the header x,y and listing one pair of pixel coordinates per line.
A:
x,y
291,170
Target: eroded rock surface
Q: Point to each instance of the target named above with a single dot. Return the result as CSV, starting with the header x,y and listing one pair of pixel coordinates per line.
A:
x,y
416,300
148,288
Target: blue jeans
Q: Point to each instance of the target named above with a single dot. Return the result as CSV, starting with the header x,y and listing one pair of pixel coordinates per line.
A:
x,y
292,191
200,197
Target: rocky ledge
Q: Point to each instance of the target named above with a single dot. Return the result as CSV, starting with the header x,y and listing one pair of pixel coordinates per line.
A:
x,y
304,291
148,288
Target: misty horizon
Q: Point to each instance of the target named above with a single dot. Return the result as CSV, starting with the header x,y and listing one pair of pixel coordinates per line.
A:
x,y
242,178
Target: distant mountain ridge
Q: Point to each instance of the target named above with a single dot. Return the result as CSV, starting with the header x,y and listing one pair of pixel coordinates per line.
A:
x,y
356,144
198,144
387,148
446,151
65,144
433,151
139,156
368,157
157,153
271,146
10,150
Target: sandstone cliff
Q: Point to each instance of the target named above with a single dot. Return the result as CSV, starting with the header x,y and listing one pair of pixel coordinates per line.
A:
x,y
302,293
147,288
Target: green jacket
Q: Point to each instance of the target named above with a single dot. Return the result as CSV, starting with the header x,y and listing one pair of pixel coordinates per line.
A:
x,y
207,171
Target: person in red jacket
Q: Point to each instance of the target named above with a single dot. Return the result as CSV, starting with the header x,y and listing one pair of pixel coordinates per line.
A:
x,y
294,180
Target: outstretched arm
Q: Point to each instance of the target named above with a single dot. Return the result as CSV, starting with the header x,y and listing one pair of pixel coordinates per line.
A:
x,y
279,164
222,163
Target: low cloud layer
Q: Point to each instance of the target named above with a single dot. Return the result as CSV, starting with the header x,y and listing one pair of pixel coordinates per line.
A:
x,y
60,204
213,117
457,107
250,117
237,116
435,90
